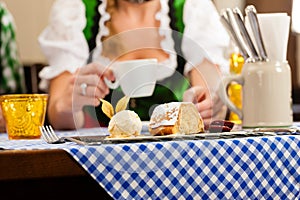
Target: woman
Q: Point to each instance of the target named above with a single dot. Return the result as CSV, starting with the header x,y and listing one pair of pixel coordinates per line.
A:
x,y
186,37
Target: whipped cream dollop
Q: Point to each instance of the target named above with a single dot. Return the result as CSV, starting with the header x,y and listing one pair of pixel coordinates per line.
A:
x,y
125,123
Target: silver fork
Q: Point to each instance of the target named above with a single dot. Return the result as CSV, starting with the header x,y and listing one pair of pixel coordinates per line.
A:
x,y
50,136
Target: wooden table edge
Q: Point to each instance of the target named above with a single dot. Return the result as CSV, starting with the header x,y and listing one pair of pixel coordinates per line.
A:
x,y
31,164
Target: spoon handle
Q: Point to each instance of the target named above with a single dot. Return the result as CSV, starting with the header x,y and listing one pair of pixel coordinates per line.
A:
x,y
253,20
244,32
233,34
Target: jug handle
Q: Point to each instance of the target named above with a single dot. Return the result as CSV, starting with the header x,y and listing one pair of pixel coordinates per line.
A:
x,y
222,91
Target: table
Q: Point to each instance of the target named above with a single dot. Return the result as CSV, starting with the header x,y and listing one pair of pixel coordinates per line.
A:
x,y
265,167
37,172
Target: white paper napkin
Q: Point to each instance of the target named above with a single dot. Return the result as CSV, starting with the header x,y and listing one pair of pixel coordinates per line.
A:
x,y
275,29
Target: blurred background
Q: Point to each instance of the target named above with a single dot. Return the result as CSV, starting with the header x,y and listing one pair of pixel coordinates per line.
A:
x,y
31,17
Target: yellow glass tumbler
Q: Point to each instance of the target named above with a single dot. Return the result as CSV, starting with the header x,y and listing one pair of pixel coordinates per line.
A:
x,y
24,114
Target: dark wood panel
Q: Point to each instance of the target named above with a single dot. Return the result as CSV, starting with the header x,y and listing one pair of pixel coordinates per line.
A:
x,y
64,188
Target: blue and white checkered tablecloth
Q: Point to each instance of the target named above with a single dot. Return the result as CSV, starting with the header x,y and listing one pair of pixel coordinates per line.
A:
x,y
242,168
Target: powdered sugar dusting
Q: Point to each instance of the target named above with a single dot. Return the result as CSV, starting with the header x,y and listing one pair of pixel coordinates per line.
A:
x,y
165,114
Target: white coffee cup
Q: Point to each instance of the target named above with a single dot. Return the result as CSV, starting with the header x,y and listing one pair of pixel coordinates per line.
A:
x,y
137,78
266,94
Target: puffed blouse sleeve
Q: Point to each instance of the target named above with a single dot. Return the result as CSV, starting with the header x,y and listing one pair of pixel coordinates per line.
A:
x,y
62,41
204,35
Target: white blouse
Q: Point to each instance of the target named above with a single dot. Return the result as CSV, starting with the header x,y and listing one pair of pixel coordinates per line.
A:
x,y
66,49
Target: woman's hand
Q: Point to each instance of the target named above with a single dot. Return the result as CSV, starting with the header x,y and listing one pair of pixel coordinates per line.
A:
x,y
89,85
208,104
205,79
67,97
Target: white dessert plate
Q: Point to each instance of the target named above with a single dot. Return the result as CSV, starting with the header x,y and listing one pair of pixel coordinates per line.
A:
x,y
199,136
147,137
